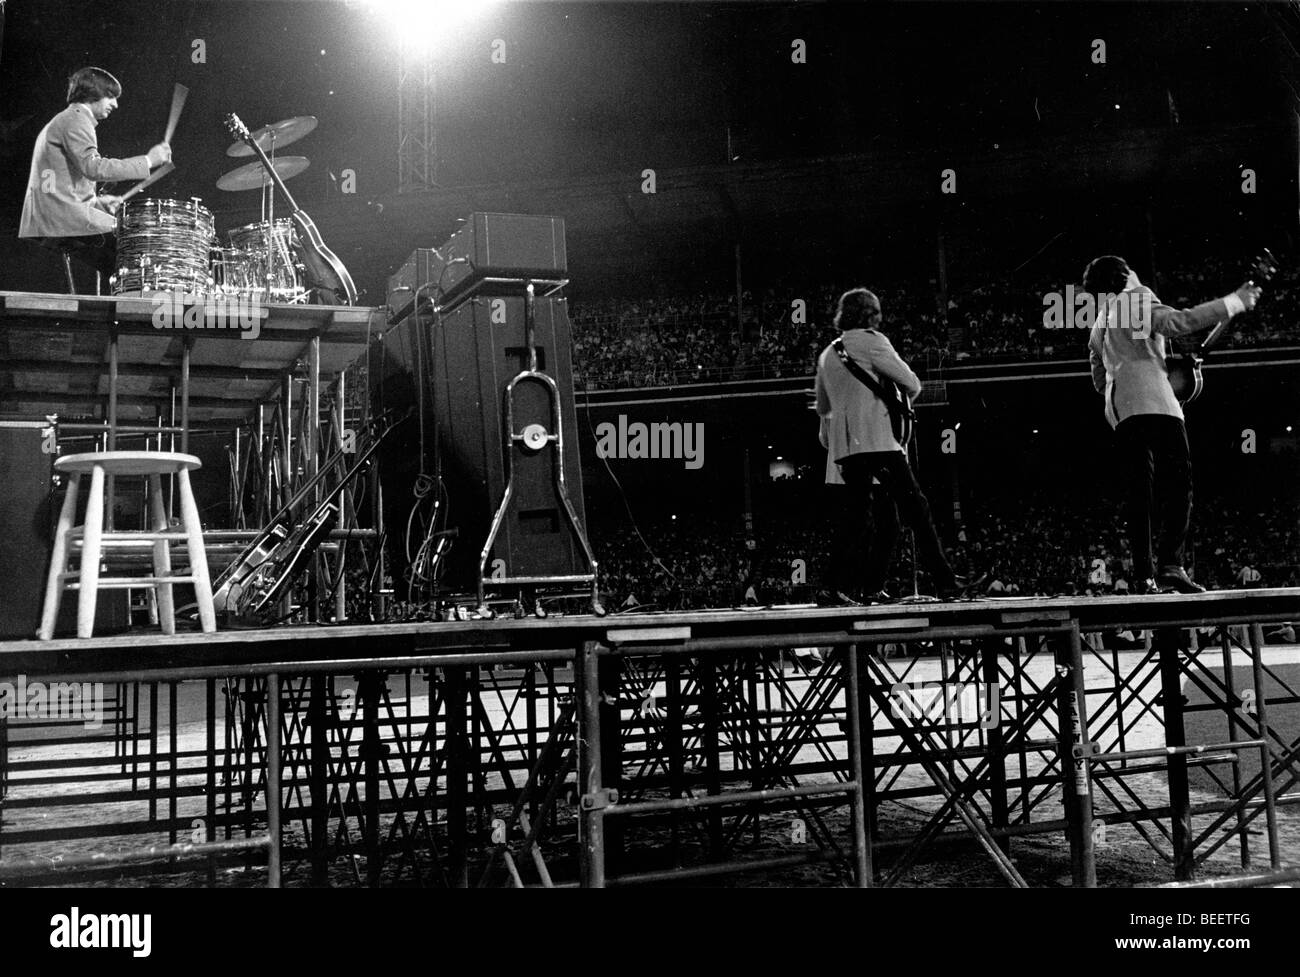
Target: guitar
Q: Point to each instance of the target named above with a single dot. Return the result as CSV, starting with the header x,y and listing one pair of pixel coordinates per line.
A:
x,y
324,269
261,573
1185,368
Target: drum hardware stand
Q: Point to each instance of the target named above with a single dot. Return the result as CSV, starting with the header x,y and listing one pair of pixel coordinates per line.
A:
x,y
268,216
534,438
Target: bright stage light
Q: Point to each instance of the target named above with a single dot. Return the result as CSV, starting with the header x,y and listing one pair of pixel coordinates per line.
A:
x,y
421,23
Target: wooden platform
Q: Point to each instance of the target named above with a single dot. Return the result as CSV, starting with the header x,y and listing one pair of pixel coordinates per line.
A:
x,y
332,647
54,354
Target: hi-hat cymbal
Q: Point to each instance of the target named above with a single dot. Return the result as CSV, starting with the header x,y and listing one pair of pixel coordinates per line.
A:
x,y
283,133
253,176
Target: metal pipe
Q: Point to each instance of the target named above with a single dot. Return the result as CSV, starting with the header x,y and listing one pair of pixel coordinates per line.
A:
x,y
14,868
857,799
1076,697
1196,749
725,868
273,780
1279,878
591,827
338,666
186,345
736,797
1265,753
1171,693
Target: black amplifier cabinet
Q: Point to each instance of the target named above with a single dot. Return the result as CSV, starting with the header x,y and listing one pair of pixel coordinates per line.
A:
x,y
29,508
422,267
25,519
458,371
492,254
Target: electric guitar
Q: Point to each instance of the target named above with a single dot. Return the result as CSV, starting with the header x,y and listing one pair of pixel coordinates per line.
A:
x,y
902,416
261,573
324,269
1185,368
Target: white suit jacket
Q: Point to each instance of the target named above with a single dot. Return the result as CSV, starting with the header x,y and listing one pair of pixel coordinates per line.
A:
x,y
853,419
1128,360
60,199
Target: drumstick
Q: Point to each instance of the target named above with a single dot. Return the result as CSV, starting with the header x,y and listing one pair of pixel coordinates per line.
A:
x,y
179,94
152,178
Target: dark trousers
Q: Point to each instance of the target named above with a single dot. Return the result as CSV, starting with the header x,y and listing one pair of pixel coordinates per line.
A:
x,y
1156,466
864,543
95,252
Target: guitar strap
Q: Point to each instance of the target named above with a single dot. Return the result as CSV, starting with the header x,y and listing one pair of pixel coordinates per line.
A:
x,y
892,404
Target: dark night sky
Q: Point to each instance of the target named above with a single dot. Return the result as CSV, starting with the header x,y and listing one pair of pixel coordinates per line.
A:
x,y
592,87
597,88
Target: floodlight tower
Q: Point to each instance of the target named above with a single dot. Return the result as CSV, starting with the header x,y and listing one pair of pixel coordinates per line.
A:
x,y
423,31
417,117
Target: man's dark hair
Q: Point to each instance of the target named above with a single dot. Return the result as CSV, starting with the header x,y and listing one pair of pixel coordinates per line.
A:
x,y
853,311
1106,275
92,84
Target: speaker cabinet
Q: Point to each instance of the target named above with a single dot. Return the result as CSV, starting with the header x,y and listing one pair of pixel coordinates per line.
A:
x,y
456,372
24,527
29,510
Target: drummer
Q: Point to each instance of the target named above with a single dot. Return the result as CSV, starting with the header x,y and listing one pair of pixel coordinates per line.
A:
x,y
61,200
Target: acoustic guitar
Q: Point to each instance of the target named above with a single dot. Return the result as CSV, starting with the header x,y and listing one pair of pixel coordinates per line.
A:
x,y
324,269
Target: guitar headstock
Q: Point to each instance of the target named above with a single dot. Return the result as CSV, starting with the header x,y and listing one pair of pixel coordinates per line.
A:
x,y
236,127
1263,268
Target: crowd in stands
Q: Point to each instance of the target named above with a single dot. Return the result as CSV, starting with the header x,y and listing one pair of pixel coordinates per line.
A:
x,y
659,342
708,561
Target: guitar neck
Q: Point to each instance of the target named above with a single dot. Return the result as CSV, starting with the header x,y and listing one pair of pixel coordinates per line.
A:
x,y
275,177
1213,337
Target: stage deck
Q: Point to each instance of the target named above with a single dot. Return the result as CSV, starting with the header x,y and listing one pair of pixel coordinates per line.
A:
x,y
54,354
357,646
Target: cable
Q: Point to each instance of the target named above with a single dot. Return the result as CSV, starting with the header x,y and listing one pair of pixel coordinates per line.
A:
x,y
622,494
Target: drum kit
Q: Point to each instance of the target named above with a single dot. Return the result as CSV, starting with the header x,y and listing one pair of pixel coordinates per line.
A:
x,y
172,245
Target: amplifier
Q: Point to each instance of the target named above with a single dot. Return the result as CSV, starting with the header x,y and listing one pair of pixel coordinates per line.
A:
x,y
493,254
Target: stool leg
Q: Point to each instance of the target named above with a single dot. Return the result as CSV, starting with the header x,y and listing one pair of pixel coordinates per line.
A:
x,y
162,558
198,557
58,561
67,270
91,550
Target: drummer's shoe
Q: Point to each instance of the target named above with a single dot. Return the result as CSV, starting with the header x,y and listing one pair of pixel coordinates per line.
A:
x,y
1147,586
1175,578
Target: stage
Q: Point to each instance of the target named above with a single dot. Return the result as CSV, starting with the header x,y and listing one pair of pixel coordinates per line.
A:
x,y
543,742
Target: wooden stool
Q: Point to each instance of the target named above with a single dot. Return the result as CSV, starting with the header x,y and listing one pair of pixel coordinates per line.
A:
x,y
94,541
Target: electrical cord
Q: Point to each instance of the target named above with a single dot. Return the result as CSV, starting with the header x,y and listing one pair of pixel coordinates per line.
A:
x,y
619,485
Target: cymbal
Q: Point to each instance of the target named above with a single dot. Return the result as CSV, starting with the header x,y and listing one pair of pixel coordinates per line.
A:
x,y
253,176
285,132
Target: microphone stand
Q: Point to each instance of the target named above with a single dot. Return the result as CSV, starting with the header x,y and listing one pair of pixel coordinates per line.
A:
x,y
917,597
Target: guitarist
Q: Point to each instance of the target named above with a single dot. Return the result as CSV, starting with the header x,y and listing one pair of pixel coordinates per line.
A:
x,y
1126,350
858,432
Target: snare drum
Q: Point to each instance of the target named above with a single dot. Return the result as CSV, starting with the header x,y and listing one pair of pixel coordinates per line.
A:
x,y
163,245
273,271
